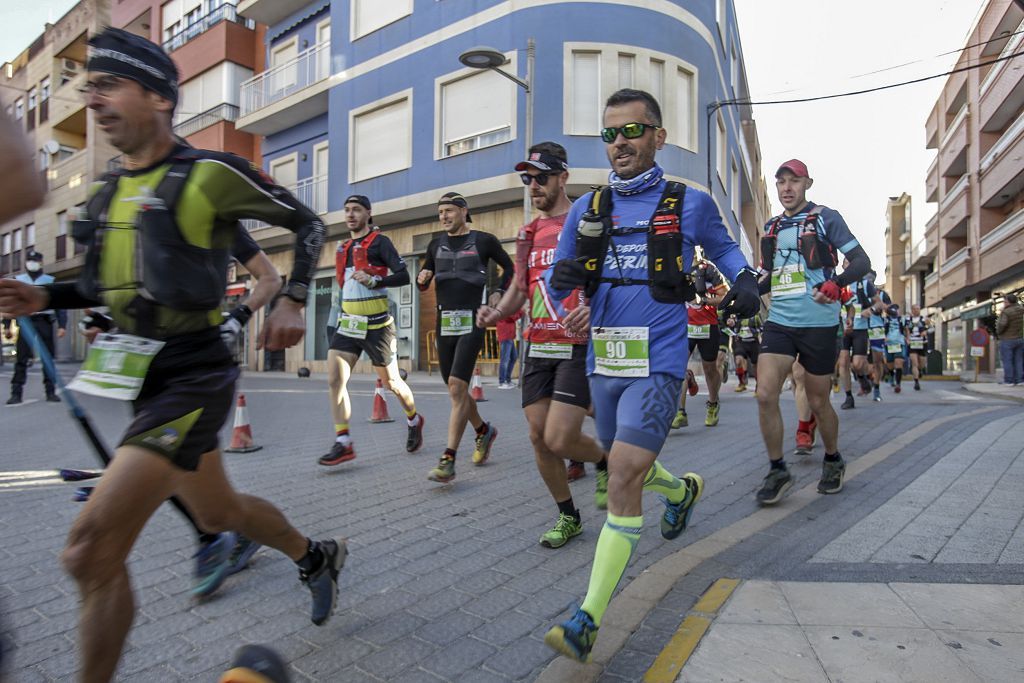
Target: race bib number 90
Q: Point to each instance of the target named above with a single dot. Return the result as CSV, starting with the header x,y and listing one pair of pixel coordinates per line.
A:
x,y
621,351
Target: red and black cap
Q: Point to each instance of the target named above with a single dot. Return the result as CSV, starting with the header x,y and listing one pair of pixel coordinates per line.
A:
x,y
543,161
794,166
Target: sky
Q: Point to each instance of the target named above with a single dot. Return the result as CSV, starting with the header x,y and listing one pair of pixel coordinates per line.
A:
x,y
860,150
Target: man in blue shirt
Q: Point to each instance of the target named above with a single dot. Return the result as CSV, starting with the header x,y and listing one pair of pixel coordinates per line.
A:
x,y
638,321
798,258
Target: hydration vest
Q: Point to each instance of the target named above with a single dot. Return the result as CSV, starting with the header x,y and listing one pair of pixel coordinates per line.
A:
x,y
169,271
666,278
465,264
816,250
360,257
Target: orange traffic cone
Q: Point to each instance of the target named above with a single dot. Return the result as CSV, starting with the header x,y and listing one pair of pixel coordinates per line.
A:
x,y
241,437
476,388
380,405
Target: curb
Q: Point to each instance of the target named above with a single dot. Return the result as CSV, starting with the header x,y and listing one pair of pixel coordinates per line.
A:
x,y
1014,399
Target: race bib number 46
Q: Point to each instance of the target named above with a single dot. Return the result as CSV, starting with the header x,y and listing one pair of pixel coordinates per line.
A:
x,y
116,366
621,351
455,323
789,281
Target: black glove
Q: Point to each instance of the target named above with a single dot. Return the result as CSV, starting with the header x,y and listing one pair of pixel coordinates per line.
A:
x,y
568,274
96,319
743,299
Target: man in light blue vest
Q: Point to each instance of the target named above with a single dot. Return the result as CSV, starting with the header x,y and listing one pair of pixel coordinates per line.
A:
x,y
43,322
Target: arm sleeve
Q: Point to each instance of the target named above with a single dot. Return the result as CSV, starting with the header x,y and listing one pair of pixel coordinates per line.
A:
x,y
860,264
566,248
66,295
396,264
718,244
237,189
499,255
244,247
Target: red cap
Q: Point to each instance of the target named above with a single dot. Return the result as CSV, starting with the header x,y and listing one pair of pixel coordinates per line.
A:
x,y
796,167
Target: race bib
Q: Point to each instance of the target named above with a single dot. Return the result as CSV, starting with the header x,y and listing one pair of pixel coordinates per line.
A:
x,y
621,351
916,343
455,323
876,333
354,326
116,366
698,331
746,334
895,348
789,281
551,350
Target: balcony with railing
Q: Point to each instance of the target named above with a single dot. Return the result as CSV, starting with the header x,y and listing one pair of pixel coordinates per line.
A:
x,y
69,172
310,191
270,12
931,183
204,24
1003,247
922,254
931,289
191,126
1002,90
956,272
954,209
953,147
1001,166
288,93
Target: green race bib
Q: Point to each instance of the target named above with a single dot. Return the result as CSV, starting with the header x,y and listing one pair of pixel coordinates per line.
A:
x,y
455,323
895,348
746,334
354,326
552,350
789,281
116,366
698,331
916,343
621,351
876,333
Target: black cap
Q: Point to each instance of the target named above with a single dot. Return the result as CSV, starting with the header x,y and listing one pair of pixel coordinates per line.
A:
x,y
123,53
542,161
34,256
455,199
360,199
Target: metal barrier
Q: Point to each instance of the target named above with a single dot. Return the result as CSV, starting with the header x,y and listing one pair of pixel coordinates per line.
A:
x,y
490,353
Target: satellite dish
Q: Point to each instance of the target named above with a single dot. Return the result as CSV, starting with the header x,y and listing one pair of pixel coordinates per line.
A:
x,y
51,147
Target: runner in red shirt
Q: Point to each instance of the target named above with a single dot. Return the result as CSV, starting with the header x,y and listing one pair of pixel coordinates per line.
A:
x,y
703,334
508,353
556,394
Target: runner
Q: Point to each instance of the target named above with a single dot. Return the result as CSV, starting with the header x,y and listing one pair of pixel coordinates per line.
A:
x,y
554,380
704,335
894,339
806,424
364,324
798,255
864,296
745,347
508,351
184,396
460,258
915,326
876,339
630,246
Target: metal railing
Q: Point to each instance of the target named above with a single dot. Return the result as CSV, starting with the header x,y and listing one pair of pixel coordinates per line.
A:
x,y
204,24
954,124
310,191
1012,44
1002,144
222,112
309,67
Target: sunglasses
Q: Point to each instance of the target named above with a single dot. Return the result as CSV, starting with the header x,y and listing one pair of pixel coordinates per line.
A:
x,y
541,178
104,86
630,131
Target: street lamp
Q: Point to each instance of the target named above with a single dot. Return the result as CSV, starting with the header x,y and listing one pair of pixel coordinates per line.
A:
x,y
483,57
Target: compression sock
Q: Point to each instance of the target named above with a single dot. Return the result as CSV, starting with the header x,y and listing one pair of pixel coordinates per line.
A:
x,y
341,433
741,375
313,558
566,507
804,425
664,482
615,547
899,376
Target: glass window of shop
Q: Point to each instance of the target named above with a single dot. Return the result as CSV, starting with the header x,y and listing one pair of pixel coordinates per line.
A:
x,y
318,310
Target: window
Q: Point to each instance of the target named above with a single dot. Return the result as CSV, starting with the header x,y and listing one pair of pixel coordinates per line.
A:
x,y
371,15
734,72
61,241
16,251
285,73
33,98
285,170
720,158
323,56
5,255
79,211
17,240
657,80
321,162
381,137
30,235
684,110
44,89
627,65
19,108
178,14
585,102
44,160
734,190
476,111
219,85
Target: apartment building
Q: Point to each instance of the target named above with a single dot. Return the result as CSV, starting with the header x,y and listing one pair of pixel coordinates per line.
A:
x,y
39,88
973,247
901,285
388,110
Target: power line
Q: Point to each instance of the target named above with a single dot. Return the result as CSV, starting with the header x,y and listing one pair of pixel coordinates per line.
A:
x,y
941,54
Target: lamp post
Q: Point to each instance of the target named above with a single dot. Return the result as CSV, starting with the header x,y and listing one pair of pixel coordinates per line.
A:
x,y
484,57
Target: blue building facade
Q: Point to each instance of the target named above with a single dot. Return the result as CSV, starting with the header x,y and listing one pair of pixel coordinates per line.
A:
x,y
370,97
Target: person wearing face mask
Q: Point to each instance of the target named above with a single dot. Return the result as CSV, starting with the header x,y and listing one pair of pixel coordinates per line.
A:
x,y
43,322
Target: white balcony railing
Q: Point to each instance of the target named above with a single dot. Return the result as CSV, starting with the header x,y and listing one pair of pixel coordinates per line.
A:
x,y
204,24
222,112
1013,223
954,192
954,124
1011,46
309,67
919,250
1002,144
310,191
956,259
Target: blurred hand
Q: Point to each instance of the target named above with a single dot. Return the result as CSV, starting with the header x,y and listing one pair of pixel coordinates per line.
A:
x,y
577,321
284,326
61,332
486,316
18,298
424,277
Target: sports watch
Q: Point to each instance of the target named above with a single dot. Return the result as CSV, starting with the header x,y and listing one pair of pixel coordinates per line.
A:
x,y
296,291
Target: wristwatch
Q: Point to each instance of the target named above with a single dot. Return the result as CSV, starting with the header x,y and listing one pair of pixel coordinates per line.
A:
x,y
296,291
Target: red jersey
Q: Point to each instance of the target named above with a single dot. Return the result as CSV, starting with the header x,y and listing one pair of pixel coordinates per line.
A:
x,y
535,251
506,327
704,315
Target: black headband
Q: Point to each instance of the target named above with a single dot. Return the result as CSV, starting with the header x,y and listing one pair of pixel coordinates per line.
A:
x,y
122,53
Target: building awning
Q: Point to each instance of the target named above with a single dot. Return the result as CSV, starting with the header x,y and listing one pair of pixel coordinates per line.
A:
x,y
979,311
237,289
311,11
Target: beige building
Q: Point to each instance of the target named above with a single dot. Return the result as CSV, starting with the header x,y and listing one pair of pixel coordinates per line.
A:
x,y
40,89
900,284
973,245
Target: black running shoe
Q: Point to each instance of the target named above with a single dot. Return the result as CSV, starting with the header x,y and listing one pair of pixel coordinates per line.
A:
x,y
848,403
339,453
323,581
832,476
775,486
415,438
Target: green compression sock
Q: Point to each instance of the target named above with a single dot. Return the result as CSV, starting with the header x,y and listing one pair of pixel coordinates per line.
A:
x,y
664,482
615,547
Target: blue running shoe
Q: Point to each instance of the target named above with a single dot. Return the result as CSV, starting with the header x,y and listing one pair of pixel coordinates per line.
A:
x,y
212,561
323,581
243,551
677,515
574,637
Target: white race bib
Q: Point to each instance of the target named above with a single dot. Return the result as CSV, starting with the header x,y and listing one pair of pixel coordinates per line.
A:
x,y
551,350
116,366
354,326
789,281
456,323
621,351
698,331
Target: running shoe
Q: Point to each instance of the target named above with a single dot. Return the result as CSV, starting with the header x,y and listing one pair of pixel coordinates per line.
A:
x,y
483,444
323,581
835,385
573,637
897,388
565,528
804,443
677,515
740,387
51,397
445,470
691,383
243,551
775,486
832,476
415,438
575,470
876,394
917,385
848,403
256,664
865,385
212,561
339,453
601,490
711,418
680,420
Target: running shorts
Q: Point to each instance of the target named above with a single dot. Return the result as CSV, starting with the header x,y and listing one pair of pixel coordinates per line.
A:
x,y
746,348
634,410
560,379
708,347
814,347
457,353
380,345
856,342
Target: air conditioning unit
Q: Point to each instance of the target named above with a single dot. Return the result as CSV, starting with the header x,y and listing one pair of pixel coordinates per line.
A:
x,y
70,66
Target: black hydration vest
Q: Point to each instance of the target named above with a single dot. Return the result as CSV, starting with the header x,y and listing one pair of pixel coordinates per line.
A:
x,y
465,264
169,271
816,250
668,282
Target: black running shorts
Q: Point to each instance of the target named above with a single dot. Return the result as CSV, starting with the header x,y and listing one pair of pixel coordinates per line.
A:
x,y
179,414
457,353
379,345
746,348
814,347
708,347
560,379
856,342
